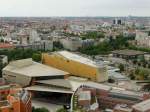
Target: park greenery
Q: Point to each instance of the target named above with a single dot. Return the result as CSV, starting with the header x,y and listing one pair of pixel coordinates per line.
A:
x,y
87,35
140,74
92,35
107,46
16,54
121,67
139,48
61,110
120,42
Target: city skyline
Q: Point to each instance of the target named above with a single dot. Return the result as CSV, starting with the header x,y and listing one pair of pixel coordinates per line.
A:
x,y
80,8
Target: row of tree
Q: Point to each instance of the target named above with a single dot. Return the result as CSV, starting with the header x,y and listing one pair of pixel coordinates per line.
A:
x,y
17,54
93,35
139,48
105,47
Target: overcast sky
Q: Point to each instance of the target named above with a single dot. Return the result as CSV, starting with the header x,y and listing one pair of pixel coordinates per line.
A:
x,y
74,7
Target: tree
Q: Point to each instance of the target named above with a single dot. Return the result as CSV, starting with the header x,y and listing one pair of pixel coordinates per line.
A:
x,y
142,74
17,54
121,67
61,110
2,40
36,57
102,48
93,35
57,45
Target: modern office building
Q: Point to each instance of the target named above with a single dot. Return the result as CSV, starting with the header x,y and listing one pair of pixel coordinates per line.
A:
x,y
76,65
117,21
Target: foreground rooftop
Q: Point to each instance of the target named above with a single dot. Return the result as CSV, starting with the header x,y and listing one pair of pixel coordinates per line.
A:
x,y
30,68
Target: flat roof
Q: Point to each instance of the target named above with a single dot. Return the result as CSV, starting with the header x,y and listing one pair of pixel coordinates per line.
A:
x,y
75,57
117,75
143,106
122,91
30,68
48,89
6,45
128,52
97,85
57,82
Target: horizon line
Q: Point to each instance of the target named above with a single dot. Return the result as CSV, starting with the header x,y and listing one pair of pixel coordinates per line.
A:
x,y
66,16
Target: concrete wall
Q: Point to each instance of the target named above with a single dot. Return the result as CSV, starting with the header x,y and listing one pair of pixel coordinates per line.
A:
x,y
16,78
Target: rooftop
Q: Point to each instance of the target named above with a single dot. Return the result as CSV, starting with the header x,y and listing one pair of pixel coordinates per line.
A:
x,y
48,89
30,68
97,85
57,82
128,52
75,57
143,106
6,45
125,92
117,75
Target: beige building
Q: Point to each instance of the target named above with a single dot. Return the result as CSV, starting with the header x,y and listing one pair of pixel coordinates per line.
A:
x,y
142,39
26,71
71,43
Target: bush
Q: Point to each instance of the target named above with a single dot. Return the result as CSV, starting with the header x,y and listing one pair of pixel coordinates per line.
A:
x,y
36,57
61,110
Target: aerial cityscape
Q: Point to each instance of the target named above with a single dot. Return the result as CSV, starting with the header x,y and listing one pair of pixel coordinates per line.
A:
x,y
74,58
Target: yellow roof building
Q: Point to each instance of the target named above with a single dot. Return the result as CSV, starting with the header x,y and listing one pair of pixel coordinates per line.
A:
x,y
76,65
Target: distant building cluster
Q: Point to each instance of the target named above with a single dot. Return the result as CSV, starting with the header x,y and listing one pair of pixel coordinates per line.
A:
x,y
98,64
